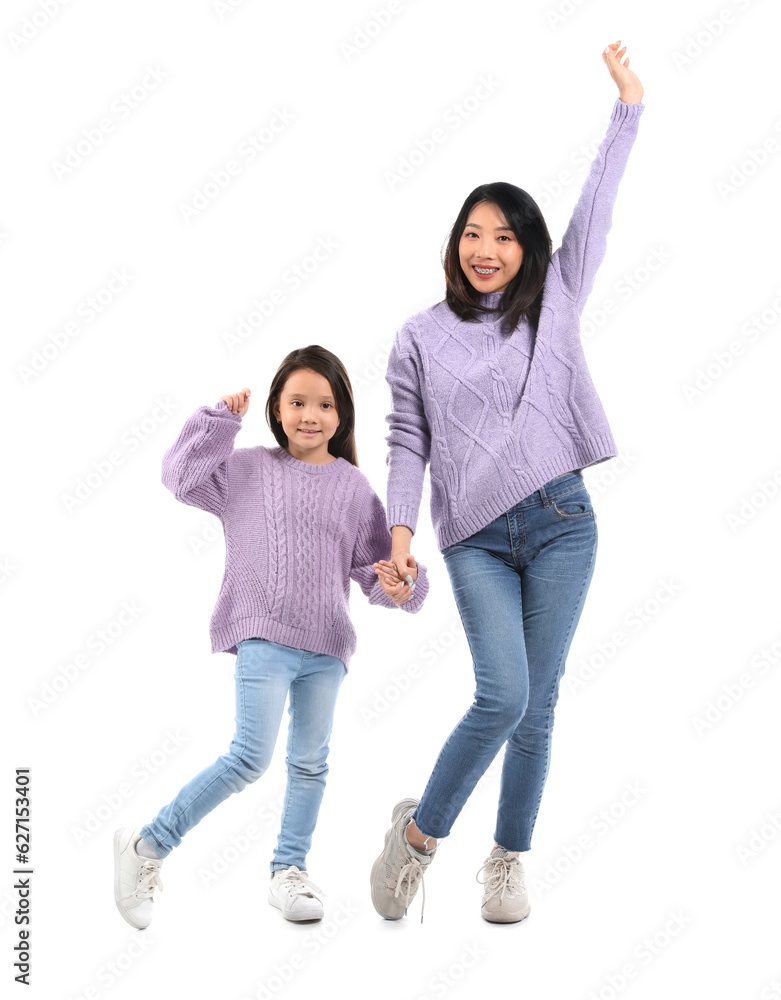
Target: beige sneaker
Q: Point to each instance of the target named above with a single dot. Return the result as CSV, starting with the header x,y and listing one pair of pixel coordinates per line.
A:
x,y
504,899
399,870
135,878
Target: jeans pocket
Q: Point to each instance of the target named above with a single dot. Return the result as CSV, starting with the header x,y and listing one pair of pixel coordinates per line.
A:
x,y
572,505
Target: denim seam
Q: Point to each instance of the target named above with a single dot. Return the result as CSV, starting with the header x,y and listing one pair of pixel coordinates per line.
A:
x,y
557,496
565,515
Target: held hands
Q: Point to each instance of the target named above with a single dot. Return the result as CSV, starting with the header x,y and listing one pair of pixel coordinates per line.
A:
x,y
630,90
399,588
237,402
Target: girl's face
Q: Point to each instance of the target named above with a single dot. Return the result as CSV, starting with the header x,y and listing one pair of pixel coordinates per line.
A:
x,y
488,243
307,411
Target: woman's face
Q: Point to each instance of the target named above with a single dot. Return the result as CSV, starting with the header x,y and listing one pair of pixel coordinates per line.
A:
x,y
307,411
488,243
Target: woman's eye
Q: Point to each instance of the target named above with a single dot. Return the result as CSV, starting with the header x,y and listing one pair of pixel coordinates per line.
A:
x,y
328,405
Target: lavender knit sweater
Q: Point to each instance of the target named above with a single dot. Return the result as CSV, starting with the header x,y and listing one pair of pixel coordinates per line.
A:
x,y
295,535
498,416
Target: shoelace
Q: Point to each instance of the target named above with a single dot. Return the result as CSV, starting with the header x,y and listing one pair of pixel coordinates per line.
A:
x,y
501,875
411,873
298,881
148,879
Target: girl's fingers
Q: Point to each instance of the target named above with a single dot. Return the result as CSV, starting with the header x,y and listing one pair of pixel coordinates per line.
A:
x,y
386,567
396,591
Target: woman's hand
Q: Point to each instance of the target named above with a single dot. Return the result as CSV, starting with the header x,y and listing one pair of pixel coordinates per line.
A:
x,y
630,90
238,402
400,591
403,563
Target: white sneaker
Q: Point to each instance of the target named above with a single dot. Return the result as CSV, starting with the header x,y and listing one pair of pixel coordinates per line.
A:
x,y
135,878
504,899
292,892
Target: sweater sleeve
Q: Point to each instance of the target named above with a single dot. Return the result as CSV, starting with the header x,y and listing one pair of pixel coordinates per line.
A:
x,y
372,544
195,467
409,441
584,243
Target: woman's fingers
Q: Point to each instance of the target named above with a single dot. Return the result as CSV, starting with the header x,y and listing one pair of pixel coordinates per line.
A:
x,y
400,563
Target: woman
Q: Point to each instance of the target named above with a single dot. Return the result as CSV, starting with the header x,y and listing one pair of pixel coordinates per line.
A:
x,y
491,387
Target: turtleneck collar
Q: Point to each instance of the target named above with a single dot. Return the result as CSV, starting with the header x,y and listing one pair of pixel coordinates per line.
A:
x,y
489,299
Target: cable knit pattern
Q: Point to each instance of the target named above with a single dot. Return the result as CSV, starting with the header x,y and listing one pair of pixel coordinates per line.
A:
x,y
496,415
295,535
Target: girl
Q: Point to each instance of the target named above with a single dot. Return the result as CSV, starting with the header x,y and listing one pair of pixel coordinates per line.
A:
x,y
491,386
300,521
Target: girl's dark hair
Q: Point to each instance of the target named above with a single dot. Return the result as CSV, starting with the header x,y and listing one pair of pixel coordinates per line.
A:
x,y
523,296
318,359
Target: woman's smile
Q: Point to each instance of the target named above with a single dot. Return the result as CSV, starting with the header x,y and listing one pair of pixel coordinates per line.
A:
x,y
485,273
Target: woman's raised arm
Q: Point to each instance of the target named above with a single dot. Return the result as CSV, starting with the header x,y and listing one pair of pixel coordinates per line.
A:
x,y
584,244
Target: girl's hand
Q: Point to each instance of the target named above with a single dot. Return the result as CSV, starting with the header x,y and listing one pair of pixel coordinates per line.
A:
x,y
630,90
398,590
238,402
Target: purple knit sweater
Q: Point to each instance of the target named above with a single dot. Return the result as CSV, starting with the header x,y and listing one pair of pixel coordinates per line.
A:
x,y
295,535
498,416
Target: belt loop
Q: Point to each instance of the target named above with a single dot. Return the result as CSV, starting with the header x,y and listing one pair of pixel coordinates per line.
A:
x,y
543,499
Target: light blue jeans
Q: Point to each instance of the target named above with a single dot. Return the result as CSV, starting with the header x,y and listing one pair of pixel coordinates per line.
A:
x,y
265,673
520,585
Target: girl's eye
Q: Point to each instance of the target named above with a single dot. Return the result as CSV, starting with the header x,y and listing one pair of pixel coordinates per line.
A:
x,y
329,405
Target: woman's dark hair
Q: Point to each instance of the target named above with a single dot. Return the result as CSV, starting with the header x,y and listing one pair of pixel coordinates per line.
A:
x,y
523,296
318,359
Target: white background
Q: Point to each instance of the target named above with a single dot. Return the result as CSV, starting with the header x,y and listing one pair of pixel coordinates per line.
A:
x,y
684,581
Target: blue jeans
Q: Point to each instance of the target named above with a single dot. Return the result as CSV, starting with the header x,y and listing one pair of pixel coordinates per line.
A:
x,y
265,672
520,585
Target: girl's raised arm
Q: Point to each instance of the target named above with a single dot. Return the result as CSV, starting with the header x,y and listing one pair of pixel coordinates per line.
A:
x,y
195,467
